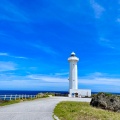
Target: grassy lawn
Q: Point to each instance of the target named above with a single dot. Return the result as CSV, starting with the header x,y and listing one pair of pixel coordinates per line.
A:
x,y
9,102
82,111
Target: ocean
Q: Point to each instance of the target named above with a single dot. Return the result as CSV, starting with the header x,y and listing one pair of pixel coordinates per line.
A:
x,y
26,92
23,92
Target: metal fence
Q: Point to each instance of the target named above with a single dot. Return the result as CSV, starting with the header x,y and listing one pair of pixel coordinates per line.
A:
x,y
15,97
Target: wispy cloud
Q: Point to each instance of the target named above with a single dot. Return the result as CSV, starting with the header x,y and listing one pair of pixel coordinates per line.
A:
x,y
48,78
11,12
4,54
98,78
105,42
40,81
61,74
100,81
98,9
33,81
118,20
8,55
33,77
7,66
31,85
45,49
19,57
96,74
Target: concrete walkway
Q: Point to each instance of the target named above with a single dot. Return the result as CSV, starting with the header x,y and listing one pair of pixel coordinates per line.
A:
x,y
40,109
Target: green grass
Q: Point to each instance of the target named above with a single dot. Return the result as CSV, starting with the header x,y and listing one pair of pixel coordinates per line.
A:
x,y
9,102
82,111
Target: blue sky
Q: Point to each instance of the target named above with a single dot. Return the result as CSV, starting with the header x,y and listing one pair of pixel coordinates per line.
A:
x,y
37,37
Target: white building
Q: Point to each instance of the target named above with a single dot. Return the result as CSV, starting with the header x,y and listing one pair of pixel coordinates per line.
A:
x,y
73,79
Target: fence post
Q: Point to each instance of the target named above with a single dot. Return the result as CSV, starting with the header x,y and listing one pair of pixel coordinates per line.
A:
x,y
15,97
19,97
10,97
22,96
4,97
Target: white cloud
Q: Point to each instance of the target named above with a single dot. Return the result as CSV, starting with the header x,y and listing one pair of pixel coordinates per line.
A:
x,y
33,77
19,57
61,74
100,81
98,9
98,78
31,85
118,20
37,81
8,55
96,74
34,81
4,54
48,78
7,66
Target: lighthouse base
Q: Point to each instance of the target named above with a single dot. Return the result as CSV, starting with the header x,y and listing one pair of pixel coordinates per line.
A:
x,y
79,93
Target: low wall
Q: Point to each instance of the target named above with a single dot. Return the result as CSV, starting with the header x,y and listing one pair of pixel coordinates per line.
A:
x,y
80,93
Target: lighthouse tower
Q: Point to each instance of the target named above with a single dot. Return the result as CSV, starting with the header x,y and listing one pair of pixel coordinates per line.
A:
x,y
73,80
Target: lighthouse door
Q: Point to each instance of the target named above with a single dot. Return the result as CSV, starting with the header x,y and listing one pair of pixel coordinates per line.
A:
x,y
76,94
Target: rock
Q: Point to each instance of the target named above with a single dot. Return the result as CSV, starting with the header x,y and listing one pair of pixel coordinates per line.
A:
x,y
102,104
106,101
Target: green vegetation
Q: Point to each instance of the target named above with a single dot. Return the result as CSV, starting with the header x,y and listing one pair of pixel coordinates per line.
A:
x,y
106,94
82,111
3,103
8,102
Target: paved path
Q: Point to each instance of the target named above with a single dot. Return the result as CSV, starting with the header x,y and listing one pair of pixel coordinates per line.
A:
x,y
40,109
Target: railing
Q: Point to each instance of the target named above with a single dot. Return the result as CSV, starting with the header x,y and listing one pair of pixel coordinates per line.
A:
x,y
14,97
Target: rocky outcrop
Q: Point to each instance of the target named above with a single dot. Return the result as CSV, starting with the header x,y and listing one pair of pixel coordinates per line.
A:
x,y
107,102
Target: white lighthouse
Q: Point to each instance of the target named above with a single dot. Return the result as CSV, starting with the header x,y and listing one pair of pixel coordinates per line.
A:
x,y
73,79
